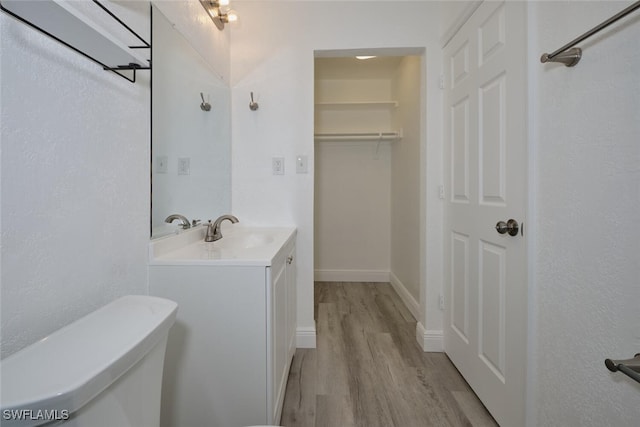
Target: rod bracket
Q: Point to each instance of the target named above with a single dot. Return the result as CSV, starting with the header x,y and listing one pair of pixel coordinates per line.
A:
x,y
569,57
132,66
629,367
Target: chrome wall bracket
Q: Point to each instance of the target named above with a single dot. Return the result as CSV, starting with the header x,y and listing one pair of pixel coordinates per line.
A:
x,y
569,57
629,367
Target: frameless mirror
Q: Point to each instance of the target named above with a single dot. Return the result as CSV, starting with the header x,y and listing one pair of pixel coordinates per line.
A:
x,y
190,132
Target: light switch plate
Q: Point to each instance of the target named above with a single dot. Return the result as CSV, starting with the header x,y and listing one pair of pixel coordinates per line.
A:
x,y
162,164
301,164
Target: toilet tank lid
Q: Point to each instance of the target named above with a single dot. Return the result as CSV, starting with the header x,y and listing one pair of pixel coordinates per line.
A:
x,y
74,364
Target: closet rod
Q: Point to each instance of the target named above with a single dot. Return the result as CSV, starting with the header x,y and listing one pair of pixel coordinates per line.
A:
x,y
358,136
569,55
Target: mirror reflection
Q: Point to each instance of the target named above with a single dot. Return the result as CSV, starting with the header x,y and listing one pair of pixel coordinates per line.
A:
x,y
191,133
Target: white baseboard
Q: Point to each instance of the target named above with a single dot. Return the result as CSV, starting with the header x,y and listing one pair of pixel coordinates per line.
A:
x,y
306,337
351,276
405,295
430,341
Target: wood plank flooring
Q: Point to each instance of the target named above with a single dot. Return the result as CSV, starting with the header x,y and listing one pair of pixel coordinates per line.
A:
x,y
368,369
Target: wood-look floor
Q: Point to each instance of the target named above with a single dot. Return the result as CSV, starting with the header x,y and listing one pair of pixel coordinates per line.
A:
x,y
368,369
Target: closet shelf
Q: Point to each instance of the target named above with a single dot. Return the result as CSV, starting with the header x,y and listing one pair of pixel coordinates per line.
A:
x,y
359,136
70,27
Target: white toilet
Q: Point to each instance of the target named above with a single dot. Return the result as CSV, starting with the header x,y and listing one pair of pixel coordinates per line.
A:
x,y
102,370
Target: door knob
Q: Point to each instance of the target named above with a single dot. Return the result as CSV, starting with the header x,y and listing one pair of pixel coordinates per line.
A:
x,y
511,227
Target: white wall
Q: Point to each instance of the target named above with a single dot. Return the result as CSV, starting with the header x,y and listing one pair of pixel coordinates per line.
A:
x,y
352,200
405,178
75,185
585,154
272,49
453,13
352,182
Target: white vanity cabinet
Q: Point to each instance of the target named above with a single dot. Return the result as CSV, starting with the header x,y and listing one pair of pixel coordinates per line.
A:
x,y
230,350
283,319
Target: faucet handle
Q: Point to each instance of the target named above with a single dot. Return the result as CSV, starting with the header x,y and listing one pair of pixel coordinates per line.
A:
x,y
195,222
209,237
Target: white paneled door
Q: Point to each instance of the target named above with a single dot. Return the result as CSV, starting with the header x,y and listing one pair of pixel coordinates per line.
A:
x,y
486,164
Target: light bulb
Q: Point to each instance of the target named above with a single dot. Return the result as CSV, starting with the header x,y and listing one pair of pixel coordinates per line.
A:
x,y
232,16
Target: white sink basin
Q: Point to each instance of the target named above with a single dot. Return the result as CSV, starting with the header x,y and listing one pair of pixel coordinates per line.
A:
x,y
238,246
231,247
246,240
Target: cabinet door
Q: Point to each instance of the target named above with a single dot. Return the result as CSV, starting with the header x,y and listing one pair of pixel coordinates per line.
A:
x,y
279,343
291,303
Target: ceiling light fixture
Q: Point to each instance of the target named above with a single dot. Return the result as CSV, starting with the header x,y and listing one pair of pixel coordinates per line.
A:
x,y
364,57
219,12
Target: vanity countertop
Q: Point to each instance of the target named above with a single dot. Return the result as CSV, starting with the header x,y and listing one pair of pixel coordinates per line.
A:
x,y
240,245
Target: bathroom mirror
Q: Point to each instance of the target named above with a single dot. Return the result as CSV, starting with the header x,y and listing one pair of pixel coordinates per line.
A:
x,y
190,136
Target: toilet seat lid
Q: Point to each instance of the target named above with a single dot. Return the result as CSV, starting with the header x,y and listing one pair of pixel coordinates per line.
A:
x,y
74,364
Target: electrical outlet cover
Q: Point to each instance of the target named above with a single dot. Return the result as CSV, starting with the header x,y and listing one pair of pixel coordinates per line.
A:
x,y
184,166
277,165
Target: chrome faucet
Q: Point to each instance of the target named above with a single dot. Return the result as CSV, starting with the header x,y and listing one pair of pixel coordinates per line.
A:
x,y
184,222
213,229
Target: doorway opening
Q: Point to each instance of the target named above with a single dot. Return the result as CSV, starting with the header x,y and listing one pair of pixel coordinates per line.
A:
x,y
369,133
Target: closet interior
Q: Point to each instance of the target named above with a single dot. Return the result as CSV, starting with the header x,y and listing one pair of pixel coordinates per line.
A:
x,y
367,171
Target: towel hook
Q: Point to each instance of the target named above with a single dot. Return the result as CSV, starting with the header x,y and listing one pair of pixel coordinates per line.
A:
x,y
253,106
205,106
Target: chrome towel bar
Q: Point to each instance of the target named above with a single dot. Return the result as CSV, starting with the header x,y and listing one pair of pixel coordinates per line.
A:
x,y
570,55
629,367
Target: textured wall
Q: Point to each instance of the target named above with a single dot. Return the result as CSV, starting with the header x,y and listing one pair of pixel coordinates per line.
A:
x,y
75,185
586,293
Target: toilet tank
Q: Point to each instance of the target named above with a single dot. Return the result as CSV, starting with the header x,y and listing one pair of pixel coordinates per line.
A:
x,y
104,369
